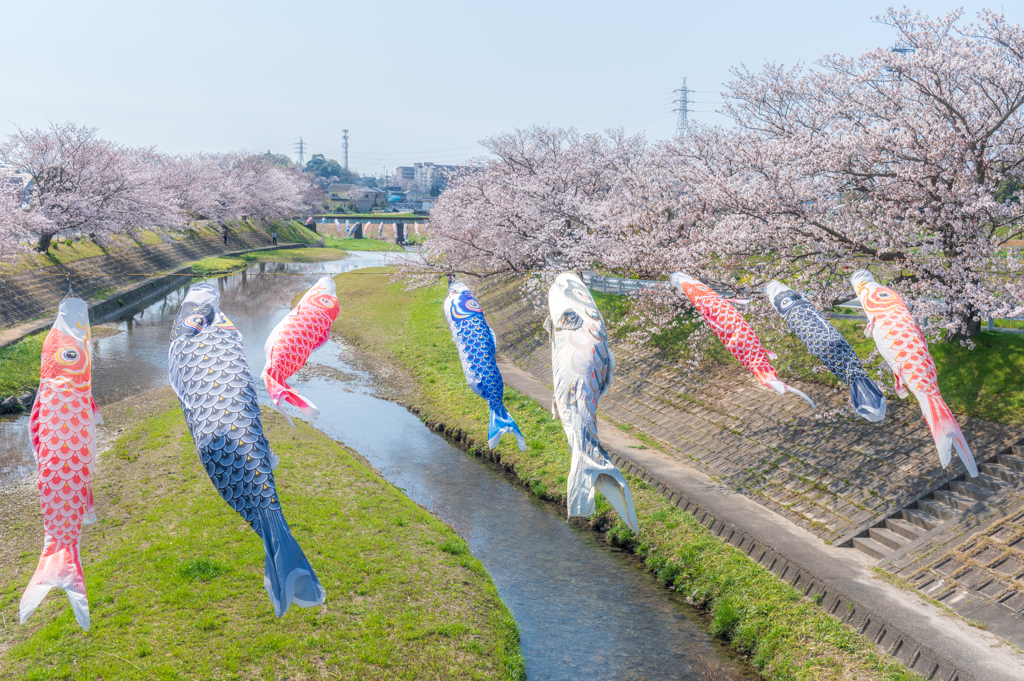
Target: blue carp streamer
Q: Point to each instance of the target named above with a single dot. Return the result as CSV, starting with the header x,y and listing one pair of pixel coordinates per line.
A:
x,y
478,351
209,374
828,345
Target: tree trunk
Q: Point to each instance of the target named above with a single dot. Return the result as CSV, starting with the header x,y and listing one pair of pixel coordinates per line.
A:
x,y
44,242
969,326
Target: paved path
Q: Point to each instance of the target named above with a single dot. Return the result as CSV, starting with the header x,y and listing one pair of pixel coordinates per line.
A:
x,y
899,622
877,488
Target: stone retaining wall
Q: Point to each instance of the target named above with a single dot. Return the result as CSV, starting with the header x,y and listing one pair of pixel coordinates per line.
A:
x,y
830,477
835,478
29,295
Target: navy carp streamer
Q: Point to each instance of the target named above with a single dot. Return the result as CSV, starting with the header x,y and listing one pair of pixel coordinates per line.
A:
x,y
478,351
826,343
211,378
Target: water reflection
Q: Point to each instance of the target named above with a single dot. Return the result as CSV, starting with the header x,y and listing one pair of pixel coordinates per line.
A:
x,y
584,610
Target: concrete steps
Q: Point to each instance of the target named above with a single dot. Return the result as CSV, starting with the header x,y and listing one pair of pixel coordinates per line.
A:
x,y
871,547
1005,470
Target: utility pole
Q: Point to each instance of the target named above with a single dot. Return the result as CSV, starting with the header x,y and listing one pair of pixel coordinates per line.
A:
x,y
683,109
301,148
345,147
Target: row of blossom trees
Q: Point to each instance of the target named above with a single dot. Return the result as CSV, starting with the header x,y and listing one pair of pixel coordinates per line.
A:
x,y
909,163
81,183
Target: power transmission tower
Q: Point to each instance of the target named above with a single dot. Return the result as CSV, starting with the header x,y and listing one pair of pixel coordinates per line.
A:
x,y
301,148
683,109
345,147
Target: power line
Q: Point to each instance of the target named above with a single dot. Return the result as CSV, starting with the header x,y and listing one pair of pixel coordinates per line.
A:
x,y
301,148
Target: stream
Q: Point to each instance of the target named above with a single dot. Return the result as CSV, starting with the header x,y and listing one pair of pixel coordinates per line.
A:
x,y
584,608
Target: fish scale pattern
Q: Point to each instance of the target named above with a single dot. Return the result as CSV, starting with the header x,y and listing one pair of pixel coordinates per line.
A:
x,y
209,373
304,329
477,342
63,440
478,349
823,340
303,334
731,328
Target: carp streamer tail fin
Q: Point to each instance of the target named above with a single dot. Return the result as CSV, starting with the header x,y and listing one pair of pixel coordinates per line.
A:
x,y
501,423
593,470
288,576
946,432
782,388
62,568
868,401
280,391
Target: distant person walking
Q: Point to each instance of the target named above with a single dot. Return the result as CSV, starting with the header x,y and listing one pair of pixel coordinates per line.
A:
x,y
273,235
224,233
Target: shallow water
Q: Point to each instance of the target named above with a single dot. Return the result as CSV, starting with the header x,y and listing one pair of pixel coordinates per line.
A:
x,y
584,609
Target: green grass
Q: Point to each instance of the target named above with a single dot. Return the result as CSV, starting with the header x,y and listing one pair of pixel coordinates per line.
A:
x,y
294,255
175,577
19,364
218,265
986,382
361,244
786,636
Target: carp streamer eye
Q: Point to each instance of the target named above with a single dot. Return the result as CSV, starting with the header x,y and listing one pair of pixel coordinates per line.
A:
x,y
67,356
473,306
326,301
195,321
786,302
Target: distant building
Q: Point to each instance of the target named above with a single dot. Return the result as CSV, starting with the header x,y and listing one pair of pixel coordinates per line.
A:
x,y
425,177
404,176
354,197
432,176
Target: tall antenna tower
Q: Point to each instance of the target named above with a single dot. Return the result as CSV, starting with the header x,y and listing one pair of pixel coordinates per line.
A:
x,y
301,148
683,109
345,147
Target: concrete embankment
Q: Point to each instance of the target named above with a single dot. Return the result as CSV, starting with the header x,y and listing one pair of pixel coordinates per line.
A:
x,y
708,437
28,298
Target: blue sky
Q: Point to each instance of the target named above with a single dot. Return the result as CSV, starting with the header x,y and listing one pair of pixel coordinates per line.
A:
x,y
412,81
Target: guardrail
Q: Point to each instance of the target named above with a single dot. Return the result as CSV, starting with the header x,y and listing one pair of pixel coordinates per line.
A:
x,y
616,285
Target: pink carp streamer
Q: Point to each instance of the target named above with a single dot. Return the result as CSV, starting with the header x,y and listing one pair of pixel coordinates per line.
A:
x,y
305,329
734,331
63,430
901,343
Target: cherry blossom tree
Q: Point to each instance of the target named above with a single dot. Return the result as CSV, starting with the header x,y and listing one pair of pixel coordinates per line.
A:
x,y
81,183
891,161
18,224
908,163
546,194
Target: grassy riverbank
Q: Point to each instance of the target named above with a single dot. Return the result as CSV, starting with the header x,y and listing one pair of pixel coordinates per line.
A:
x,y
365,244
175,577
295,255
984,382
19,364
786,636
